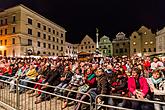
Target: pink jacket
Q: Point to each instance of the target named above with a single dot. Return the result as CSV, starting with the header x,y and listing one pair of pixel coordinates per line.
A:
x,y
143,85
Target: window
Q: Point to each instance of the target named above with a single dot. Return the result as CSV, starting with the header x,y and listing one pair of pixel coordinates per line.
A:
x,y
61,48
5,52
0,52
5,31
123,43
135,37
14,19
134,43
145,50
84,42
89,47
53,38
88,42
44,27
39,34
38,44
44,45
57,33
13,41
100,46
0,42
44,36
53,31
53,47
49,29
61,35
1,22
134,50
5,42
6,21
44,52
116,50
49,37
1,32
61,41
13,29
121,50
49,53
92,46
149,50
57,54
38,52
85,47
82,47
57,40
109,51
146,43
154,49
29,31
29,21
38,25
49,46
117,44
29,42
109,46
53,54
125,50
57,47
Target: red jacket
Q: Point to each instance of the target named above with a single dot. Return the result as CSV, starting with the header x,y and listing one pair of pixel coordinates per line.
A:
x,y
143,85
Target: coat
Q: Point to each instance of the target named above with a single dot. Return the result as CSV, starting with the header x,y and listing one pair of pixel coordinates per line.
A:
x,y
143,86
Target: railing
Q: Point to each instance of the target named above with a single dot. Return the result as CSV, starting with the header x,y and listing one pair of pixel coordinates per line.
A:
x,y
27,101
124,98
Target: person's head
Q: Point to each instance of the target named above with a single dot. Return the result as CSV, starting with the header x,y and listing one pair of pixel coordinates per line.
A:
x,y
155,59
136,72
99,72
78,71
21,64
156,74
31,66
66,68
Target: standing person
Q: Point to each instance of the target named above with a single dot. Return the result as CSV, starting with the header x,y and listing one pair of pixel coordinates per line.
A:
x,y
156,63
157,85
138,88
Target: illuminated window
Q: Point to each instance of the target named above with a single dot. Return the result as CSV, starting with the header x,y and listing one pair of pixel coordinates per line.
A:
x,y
151,42
134,43
146,43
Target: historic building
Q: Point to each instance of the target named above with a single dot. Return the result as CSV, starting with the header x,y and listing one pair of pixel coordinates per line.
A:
x,y
142,42
87,45
160,41
71,49
105,46
121,45
24,32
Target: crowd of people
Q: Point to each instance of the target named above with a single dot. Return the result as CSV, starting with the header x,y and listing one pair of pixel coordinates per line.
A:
x,y
135,77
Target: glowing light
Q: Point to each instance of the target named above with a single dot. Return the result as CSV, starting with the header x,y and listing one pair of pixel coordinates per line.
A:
x,y
146,43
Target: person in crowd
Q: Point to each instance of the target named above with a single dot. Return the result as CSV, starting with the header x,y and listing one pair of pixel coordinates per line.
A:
x,y
74,84
119,88
138,88
157,85
31,75
156,63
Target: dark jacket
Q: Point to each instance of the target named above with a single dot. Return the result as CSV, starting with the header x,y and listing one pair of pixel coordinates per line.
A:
x,y
102,85
55,78
68,76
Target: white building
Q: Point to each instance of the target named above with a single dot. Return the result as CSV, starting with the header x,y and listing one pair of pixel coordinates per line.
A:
x,y
160,41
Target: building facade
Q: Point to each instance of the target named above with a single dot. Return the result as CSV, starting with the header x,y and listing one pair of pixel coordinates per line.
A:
x,y
71,49
160,41
87,45
121,45
142,42
105,46
24,32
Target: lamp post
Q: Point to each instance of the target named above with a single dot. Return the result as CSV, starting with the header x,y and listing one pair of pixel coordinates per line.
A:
x,y
97,42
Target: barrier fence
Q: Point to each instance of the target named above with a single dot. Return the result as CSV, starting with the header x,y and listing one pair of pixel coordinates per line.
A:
x,y
25,101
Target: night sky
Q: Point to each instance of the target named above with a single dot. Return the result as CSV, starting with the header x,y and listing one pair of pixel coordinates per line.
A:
x,y
81,17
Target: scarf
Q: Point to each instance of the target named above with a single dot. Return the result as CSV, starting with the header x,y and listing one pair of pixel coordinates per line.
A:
x,y
156,81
